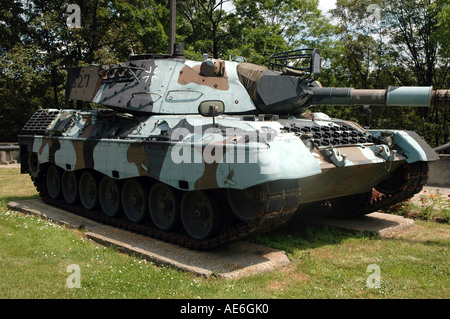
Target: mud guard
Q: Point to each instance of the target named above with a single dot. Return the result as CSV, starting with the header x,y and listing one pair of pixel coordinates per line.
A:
x,y
412,146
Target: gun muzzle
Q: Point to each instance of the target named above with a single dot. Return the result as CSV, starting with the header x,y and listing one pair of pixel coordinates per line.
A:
x,y
440,98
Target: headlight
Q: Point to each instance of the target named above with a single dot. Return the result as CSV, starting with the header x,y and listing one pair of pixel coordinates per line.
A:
x,y
388,139
310,145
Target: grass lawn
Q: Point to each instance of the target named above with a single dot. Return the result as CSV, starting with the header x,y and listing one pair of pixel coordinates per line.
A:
x,y
37,260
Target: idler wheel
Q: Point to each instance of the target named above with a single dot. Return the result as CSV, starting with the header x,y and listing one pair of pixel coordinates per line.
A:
x,y
396,182
134,200
88,188
109,196
33,164
201,215
164,206
69,185
53,182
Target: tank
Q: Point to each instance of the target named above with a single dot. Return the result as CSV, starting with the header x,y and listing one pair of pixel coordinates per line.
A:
x,y
201,153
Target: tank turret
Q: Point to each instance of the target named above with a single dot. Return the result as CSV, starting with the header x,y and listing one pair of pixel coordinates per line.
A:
x,y
162,84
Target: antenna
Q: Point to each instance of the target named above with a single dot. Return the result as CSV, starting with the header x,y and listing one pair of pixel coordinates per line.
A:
x,y
173,20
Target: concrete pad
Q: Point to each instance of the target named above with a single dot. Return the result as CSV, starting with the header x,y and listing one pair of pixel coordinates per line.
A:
x,y
233,260
379,223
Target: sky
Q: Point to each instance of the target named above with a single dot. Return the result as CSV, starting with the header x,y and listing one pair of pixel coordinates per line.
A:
x,y
326,5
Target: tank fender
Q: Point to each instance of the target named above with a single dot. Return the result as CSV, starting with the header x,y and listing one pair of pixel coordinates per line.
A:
x,y
411,145
237,168
289,159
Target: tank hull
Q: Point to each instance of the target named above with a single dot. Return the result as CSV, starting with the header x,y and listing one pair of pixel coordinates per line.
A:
x,y
252,172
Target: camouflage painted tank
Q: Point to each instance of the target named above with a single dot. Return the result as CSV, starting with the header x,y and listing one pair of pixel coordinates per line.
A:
x,y
205,152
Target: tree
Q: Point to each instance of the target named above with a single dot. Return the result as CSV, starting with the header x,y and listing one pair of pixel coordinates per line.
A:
x,y
376,43
401,46
203,26
412,27
260,28
37,47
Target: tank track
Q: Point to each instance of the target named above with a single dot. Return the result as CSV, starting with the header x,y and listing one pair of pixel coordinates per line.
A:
x,y
280,205
415,178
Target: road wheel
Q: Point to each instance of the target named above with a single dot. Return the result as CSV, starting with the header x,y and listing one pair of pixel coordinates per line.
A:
x,y
134,200
109,195
201,215
70,187
88,189
53,182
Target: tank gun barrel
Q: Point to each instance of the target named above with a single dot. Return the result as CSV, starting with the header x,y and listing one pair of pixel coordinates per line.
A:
x,y
420,96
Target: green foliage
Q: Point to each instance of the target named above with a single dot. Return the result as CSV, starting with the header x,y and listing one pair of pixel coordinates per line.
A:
x,y
431,206
21,91
442,34
395,43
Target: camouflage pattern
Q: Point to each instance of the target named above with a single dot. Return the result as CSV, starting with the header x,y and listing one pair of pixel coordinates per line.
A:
x,y
177,86
160,86
188,153
152,132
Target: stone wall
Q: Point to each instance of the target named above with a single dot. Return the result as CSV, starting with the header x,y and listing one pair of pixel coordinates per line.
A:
x,y
439,172
9,153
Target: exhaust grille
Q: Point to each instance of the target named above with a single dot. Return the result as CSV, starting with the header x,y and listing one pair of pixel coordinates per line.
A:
x,y
39,122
